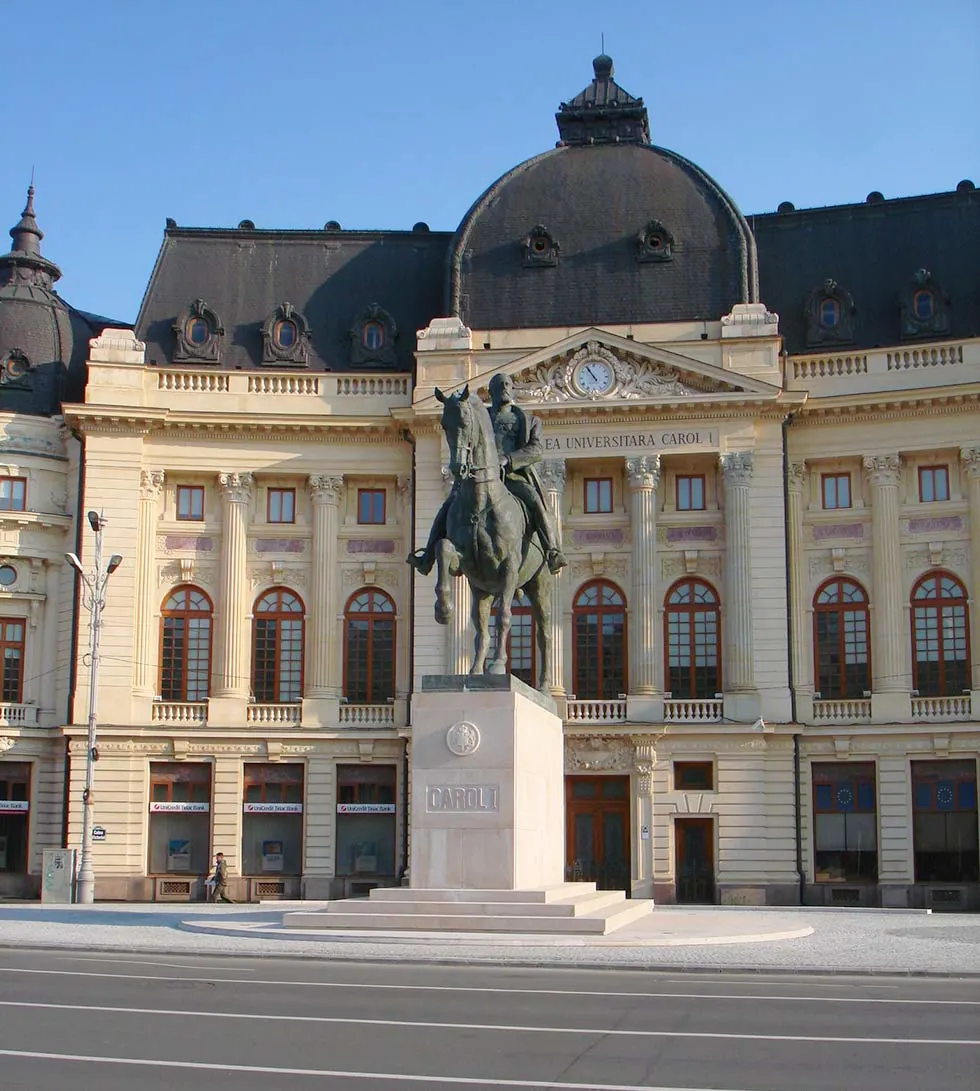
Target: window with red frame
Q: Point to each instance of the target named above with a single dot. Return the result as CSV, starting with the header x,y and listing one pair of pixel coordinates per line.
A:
x,y
940,636
933,484
692,623
845,822
598,495
599,627
13,493
836,490
841,624
370,506
944,821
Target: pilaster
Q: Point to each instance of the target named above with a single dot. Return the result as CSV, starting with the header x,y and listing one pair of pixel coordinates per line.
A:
x,y
970,457
643,830
50,712
321,700
646,697
801,649
738,681
145,655
552,474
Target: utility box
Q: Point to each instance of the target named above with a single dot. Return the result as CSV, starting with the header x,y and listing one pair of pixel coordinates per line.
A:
x,y
58,880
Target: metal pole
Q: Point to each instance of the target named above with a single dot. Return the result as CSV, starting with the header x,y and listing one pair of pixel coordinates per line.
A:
x,y
85,893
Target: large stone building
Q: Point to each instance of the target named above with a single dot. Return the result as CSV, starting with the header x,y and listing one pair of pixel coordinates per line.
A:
x,y
762,449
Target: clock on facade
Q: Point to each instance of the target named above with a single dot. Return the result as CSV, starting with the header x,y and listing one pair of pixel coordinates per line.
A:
x,y
593,377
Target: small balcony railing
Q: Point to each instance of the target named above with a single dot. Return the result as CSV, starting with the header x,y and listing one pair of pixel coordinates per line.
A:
x,y
597,711
941,708
179,712
273,712
842,710
19,715
695,710
367,715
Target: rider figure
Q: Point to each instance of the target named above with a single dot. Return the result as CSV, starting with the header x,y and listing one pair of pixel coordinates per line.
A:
x,y
519,445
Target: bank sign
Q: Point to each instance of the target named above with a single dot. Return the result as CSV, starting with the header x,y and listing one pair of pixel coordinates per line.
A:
x,y
635,441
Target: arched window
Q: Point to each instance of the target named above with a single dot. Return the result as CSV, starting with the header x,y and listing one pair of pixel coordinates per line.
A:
x,y
692,624
940,636
599,625
521,647
829,313
840,640
185,645
277,647
369,647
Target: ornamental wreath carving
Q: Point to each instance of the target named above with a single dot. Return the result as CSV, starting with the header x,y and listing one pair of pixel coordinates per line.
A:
x,y
599,753
463,738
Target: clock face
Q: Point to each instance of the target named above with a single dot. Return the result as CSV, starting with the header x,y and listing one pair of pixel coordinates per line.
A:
x,y
594,377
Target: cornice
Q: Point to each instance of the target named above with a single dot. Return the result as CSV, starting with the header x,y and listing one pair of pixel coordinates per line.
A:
x,y
892,405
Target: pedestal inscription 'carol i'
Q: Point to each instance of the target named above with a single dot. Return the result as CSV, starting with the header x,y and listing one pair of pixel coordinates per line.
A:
x,y
494,528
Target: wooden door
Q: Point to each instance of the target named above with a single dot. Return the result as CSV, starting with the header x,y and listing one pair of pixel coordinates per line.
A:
x,y
695,860
597,831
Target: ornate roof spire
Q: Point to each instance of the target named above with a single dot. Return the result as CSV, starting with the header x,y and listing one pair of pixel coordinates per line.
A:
x,y
27,235
24,262
603,113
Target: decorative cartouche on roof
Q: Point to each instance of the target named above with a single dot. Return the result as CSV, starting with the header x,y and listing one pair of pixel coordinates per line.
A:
x,y
603,113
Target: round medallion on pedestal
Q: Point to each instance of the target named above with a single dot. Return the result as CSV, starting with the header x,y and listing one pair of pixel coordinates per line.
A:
x,y
463,739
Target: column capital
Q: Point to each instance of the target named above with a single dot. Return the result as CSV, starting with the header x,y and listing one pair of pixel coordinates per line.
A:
x,y
151,484
643,471
552,474
883,470
796,475
236,488
736,468
970,457
325,488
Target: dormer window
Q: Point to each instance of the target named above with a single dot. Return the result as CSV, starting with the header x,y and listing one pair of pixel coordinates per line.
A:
x,y
829,312
654,243
541,248
199,334
923,304
372,338
925,307
15,368
286,338
286,334
198,331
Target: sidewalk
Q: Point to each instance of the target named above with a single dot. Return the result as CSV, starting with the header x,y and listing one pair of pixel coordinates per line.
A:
x,y
709,938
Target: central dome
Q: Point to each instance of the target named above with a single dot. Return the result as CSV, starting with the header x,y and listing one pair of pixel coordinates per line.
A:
x,y
606,229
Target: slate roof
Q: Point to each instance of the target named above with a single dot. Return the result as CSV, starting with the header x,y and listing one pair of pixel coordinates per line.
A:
x,y
596,201
873,250
330,276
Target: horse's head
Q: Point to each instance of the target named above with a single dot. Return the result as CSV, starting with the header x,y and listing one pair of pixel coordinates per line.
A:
x,y
463,433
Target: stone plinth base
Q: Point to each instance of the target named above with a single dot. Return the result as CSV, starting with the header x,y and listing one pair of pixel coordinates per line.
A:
x,y
487,786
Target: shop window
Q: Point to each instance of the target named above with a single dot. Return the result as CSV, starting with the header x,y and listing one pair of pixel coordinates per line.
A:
x,y
369,647
15,782
521,646
277,647
366,820
12,632
598,495
281,506
933,484
944,821
180,818
836,490
940,636
694,776
690,492
370,506
190,502
272,819
840,636
13,493
599,627
845,823
692,624
185,645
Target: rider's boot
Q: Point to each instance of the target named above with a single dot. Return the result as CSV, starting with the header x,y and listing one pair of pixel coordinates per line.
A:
x,y
422,560
556,561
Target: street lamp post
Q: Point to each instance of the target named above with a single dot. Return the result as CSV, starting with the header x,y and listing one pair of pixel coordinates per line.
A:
x,y
93,599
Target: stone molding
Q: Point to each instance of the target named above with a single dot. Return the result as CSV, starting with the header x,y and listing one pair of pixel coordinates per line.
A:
x,y
883,470
236,488
970,457
643,472
151,484
796,476
325,488
736,468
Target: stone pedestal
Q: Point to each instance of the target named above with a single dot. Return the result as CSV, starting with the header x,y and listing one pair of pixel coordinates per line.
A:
x,y
487,786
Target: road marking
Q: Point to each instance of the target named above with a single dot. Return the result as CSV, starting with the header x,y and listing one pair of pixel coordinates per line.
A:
x,y
321,1073
134,961
778,998
413,1024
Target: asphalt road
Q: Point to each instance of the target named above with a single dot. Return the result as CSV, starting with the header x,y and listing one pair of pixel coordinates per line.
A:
x,y
97,1022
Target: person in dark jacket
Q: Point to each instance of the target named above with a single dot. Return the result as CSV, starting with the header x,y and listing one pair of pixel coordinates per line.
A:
x,y
219,880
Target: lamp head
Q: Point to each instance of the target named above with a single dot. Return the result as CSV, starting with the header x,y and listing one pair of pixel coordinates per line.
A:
x,y
114,562
94,521
72,559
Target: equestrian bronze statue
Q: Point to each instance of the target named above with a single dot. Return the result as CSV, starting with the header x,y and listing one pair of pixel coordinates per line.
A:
x,y
494,528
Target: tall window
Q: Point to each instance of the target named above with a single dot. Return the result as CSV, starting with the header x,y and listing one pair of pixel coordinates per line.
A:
x,y
370,505
598,495
185,646
845,826
369,647
521,650
277,647
692,624
190,502
944,821
836,490
690,492
281,506
599,625
933,483
12,651
13,493
840,638
940,636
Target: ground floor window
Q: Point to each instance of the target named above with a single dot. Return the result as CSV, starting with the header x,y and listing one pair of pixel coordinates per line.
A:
x,y
366,820
944,821
272,819
845,823
180,818
15,783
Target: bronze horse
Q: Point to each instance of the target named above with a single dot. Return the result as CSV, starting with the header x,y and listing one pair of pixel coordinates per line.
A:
x,y
489,539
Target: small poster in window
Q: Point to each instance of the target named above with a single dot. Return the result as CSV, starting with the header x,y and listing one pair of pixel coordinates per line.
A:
x,y
179,854
272,856
365,855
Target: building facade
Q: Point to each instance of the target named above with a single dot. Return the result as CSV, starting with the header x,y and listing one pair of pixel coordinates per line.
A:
x,y
763,454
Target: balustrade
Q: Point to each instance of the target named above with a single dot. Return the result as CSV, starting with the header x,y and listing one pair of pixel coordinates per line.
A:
x,y
179,712
941,708
842,710
20,714
273,713
367,715
596,712
693,710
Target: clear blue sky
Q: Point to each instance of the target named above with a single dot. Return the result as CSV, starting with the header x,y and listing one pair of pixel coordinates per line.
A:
x,y
384,112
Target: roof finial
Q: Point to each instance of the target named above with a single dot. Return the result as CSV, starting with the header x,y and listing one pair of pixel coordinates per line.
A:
x,y
27,235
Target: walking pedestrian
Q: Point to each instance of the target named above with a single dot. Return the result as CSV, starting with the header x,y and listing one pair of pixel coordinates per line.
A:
x,y
219,880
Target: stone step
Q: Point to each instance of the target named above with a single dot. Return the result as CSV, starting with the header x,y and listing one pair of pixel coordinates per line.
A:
x,y
599,923
556,893
576,906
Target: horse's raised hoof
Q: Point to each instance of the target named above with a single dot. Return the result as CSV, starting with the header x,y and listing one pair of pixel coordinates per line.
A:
x,y
444,613
497,666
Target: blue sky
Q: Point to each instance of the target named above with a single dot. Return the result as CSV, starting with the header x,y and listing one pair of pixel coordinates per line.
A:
x,y
384,113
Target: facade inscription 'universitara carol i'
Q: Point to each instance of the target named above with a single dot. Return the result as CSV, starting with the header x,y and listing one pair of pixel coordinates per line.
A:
x,y
702,439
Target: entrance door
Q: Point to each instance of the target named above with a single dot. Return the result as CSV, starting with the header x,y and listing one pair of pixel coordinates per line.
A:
x,y
597,838
695,866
